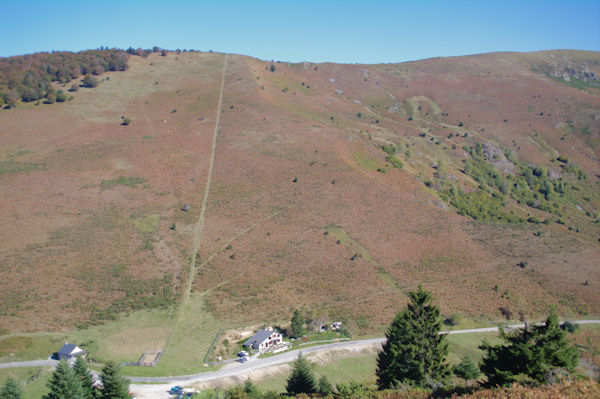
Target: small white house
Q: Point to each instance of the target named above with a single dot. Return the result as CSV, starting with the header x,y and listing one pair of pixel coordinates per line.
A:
x,y
336,325
264,339
70,352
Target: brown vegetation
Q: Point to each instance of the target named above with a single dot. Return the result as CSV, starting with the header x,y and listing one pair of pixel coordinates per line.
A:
x,y
292,162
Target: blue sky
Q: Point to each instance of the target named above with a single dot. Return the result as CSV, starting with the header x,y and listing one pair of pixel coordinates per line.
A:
x,y
339,31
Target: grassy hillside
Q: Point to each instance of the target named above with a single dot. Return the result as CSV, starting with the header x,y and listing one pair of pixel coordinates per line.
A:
x,y
334,189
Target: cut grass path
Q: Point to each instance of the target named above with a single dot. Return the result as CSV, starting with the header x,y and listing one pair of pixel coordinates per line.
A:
x,y
198,227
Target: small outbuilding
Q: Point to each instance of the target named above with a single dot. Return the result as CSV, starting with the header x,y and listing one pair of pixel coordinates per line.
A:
x,y
70,352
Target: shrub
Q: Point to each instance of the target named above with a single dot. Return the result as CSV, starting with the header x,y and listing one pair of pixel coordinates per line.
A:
x,y
359,115
272,68
89,81
50,99
61,97
126,121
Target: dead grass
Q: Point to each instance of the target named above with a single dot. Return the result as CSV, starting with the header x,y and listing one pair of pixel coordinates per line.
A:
x,y
73,251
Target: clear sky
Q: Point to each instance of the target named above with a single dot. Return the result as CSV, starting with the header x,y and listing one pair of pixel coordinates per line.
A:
x,y
368,31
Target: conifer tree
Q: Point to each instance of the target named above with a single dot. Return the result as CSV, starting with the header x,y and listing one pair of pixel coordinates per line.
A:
x,y
114,386
325,387
467,369
64,384
298,324
11,390
534,351
81,371
414,352
301,380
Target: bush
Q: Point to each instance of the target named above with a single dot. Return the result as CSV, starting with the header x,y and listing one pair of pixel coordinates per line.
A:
x,y
50,99
126,121
74,87
61,97
89,81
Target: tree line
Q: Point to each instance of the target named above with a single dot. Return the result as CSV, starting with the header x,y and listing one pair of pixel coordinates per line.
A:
x,y
29,77
76,382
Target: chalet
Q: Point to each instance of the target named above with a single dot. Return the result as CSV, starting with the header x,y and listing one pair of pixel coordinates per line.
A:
x,y
264,339
70,352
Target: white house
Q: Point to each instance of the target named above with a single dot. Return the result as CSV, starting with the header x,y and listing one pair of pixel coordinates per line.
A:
x,y
264,339
70,352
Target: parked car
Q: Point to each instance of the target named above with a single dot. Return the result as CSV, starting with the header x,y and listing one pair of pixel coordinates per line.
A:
x,y
176,390
243,359
242,354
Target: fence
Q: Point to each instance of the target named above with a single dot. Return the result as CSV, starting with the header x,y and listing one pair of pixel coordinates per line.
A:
x,y
143,362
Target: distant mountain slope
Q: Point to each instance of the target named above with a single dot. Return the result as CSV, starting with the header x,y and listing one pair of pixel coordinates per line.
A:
x,y
335,189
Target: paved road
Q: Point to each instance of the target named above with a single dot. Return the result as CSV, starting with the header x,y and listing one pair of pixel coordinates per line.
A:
x,y
31,363
159,390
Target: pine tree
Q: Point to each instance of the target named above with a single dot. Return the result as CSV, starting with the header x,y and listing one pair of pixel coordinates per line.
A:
x,y
325,387
467,369
81,371
11,390
250,389
414,352
301,380
114,386
64,384
534,352
298,325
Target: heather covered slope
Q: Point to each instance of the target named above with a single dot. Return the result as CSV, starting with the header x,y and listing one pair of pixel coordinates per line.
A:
x,y
306,208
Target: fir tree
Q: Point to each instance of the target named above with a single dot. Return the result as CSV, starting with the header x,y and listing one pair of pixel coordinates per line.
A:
x,y
298,325
114,386
467,369
414,352
325,387
250,389
534,352
11,390
64,384
81,371
301,380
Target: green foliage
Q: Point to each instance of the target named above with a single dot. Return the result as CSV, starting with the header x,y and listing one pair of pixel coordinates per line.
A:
x,y
64,384
325,387
466,369
414,352
479,205
123,181
61,97
352,389
250,389
89,81
81,371
301,379
359,114
396,163
571,327
12,166
114,386
11,390
126,121
297,326
533,353
389,149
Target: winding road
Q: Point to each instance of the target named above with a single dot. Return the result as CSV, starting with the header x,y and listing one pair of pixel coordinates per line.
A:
x,y
159,385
